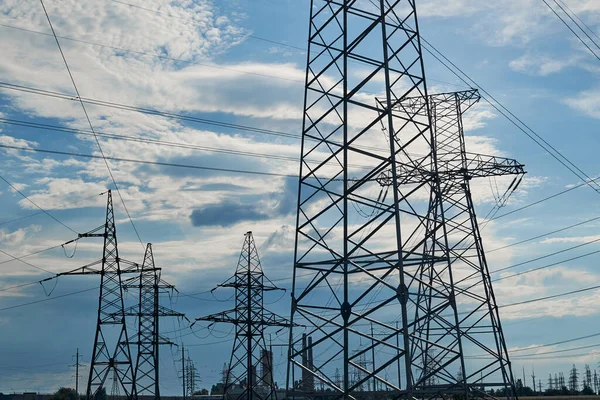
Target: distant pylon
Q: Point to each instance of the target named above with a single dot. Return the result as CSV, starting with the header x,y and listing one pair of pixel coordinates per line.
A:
x,y
250,319
148,312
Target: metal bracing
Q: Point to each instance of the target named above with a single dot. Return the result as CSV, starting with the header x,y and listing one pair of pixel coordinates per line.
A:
x,y
379,216
148,312
111,356
471,323
250,319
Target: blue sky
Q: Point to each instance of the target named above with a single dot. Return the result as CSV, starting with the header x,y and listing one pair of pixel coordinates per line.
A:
x,y
517,50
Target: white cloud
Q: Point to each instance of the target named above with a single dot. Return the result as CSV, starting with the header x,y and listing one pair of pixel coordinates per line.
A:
x,y
542,65
575,239
18,236
586,102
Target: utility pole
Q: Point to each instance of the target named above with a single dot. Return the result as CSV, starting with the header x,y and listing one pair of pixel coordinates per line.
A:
x,y
371,225
183,371
250,319
76,365
533,379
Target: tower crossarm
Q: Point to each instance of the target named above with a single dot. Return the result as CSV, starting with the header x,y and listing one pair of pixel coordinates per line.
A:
x,y
454,167
228,316
482,166
255,285
418,106
95,268
272,319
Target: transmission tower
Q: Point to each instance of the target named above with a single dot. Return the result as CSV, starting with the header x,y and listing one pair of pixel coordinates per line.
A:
x,y
388,220
148,312
192,377
587,384
250,319
111,352
574,379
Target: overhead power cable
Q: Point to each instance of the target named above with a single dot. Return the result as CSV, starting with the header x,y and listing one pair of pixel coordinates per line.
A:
x,y
556,343
87,117
36,205
194,23
506,113
48,299
163,164
546,256
516,210
510,116
166,114
580,20
572,30
543,235
554,296
158,142
51,209
154,55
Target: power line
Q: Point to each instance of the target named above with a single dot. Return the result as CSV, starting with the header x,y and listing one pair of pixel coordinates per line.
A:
x,y
148,111
544,234
48,299
143,53
181,145
571,29
543,200
20,258
550,297
557,343
36,205
556,351
546,256
194,23
517,122
580,20
87,117
164,164
156,142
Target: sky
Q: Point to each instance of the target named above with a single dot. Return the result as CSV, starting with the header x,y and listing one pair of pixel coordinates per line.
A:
x,y
242,62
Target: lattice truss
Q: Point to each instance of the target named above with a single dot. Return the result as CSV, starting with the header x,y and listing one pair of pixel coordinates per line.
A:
x,y
386,232
111,363
149,312
249,374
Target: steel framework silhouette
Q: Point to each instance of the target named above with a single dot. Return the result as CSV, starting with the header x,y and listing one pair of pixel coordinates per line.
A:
x,y
386,230
111,356
148,312
250,319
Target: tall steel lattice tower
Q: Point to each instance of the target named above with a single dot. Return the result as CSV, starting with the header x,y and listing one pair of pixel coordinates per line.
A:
x,y
386,231
111,357
111,329
250,353
149,312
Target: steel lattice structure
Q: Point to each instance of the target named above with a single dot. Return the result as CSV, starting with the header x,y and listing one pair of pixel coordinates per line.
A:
x,y
386,231
250,319
111,352
148,312
111,356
